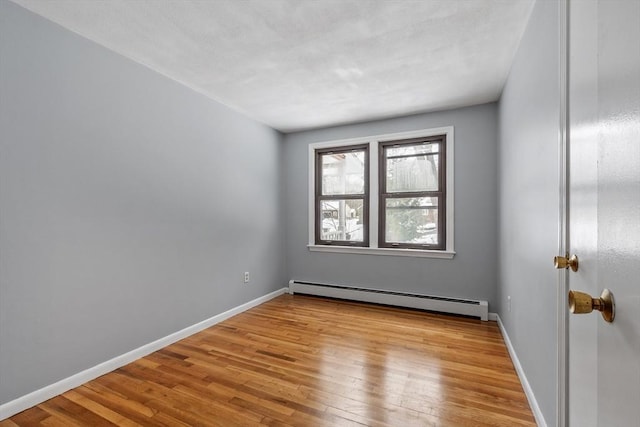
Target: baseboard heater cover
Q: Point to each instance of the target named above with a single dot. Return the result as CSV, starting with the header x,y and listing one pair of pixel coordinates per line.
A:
x,y
401,299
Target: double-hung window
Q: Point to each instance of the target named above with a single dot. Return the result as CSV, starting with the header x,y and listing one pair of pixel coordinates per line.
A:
x,y
342,196
384,195
412,193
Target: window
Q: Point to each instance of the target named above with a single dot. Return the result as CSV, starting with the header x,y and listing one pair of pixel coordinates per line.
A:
x,y
342,196
383,195
412,193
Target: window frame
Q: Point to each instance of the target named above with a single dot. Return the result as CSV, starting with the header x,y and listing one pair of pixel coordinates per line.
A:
x,y
319,197
440,193
373,249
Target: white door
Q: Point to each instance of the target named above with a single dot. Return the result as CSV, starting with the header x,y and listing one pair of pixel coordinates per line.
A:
x,y
604,209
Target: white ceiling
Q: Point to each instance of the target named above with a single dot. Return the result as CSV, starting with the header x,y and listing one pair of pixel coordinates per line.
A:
x,y
302,64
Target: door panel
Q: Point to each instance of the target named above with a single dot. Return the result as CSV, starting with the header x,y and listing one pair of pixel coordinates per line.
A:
x,y
583,205
619,210
604,200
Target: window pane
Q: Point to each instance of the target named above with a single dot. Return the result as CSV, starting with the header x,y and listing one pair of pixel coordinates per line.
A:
x,y
412,220
416,173
342,220
343,173
407,149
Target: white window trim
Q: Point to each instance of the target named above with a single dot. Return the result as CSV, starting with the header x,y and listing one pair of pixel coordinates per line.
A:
x,y
373,248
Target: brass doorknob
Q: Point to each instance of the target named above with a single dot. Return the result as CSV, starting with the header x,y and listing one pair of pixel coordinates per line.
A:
x,y
581,303
561,262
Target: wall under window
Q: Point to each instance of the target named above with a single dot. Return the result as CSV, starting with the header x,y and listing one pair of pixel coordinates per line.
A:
x,y
470,274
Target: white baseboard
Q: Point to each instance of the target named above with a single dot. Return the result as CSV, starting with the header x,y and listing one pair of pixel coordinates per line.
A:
x,y
34,398
528,391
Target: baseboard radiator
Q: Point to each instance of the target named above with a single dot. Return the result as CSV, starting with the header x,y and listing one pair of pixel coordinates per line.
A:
x,y
401,299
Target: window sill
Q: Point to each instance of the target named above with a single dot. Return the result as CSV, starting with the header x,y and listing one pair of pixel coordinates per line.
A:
x,y
416,253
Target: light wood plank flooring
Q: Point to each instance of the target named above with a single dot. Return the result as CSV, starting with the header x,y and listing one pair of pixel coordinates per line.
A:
x,y
306,361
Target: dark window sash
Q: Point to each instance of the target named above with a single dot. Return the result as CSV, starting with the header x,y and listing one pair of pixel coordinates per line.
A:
x,y
319,197
440,194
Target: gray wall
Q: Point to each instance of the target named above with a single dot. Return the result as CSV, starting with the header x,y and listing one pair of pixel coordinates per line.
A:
x,y
471,274
529,199
129,205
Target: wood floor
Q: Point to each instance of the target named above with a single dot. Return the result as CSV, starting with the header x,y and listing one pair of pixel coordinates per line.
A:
x,y
306,361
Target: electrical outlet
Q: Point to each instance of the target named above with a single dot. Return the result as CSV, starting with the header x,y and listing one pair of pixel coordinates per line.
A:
x,y
509,303
246,277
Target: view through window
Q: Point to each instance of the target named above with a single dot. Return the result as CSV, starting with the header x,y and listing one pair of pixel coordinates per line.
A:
x,y
342,190
390,194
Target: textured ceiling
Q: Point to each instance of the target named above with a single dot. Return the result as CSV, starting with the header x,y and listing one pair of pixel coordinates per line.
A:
x,y
301,64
